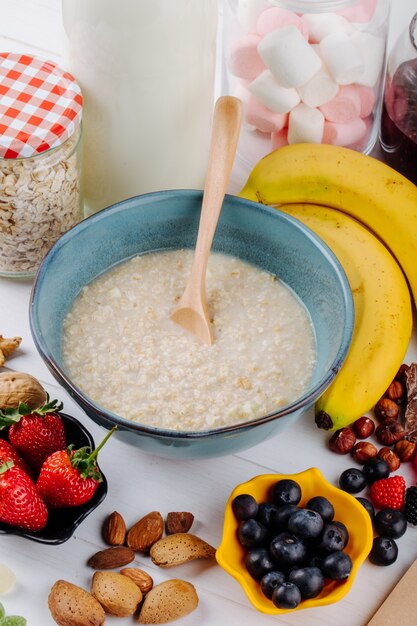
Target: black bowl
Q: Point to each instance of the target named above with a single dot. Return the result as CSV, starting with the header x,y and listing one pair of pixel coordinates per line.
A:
x,y
63,522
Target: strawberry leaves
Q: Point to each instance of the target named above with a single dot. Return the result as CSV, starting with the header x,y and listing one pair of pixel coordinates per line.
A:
x,y
11,416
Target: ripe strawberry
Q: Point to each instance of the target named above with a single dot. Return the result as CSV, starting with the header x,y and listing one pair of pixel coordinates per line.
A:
x,y
70,477
8,453
35,434
388,493
20,502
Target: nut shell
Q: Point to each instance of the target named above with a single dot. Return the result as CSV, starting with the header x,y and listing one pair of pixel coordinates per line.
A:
x,y
71,605
168,601
117,594
180,548
17,387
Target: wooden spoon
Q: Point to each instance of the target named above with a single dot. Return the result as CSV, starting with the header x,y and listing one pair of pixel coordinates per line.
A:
x,y
191,311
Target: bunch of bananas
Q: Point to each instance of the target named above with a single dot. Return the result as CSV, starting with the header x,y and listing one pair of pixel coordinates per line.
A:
x,y
332,190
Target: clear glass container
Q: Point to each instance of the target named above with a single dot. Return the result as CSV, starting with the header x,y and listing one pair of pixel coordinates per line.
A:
x,y
306,70
398,135
146,69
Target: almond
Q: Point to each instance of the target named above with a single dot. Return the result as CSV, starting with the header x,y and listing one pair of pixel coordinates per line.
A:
x,y
111,558
117,594
145,532
168,601
139,577
180,548
178,522
71,605
114,529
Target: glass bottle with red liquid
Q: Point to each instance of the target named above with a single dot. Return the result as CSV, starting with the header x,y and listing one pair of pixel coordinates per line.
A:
x,y
398,133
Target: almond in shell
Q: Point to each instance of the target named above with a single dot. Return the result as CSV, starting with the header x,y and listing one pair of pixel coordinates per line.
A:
x,y
168,601
180,548
139,577
73,606
110,558
114,529
117,594
145,532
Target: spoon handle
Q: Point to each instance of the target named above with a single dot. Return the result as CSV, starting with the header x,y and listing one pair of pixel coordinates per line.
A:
x,y
224,138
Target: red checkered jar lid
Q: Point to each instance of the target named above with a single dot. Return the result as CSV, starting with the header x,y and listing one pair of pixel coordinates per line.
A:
x,y
40,106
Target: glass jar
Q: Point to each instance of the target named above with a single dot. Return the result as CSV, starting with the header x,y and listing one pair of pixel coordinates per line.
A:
x,y
398,134
40,160
306,70
146,69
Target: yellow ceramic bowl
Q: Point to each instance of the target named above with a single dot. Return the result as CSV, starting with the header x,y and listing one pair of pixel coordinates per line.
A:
x,y
231,555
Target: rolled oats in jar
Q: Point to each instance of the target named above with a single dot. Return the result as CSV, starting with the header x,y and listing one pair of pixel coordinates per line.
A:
x,y
40,160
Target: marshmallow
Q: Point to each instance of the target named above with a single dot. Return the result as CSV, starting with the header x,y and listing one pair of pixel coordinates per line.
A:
x,y
274,18
273,95
244,60
372,51
344,107
344,134
342,58
279,139
367,98
248,12
305,125
241,91
319,89
360,11
320,25
290,58
262,118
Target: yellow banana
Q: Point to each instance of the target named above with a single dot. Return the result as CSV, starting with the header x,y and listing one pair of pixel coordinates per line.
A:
x,y
359,185
383,314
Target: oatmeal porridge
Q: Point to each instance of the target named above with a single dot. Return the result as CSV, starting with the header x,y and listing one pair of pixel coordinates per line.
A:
x,y
121,348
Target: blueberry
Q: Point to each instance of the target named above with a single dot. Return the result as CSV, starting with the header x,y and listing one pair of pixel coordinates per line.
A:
x,y
315,559
384,551
286,491
258,562
352,480
252,534
282,516
343,529
337,566
374,469
333,538
323,506
270,581
286,596
309,580
306,524
390,523
288,550
368,506
267,514
244,506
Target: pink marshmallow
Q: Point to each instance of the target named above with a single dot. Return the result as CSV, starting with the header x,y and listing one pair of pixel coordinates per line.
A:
x,y
279,139
344,134
344,107
360,11
367,98
244,60
262,118
274,18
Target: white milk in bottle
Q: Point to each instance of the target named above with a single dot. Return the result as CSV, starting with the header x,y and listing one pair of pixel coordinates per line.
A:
x,y
146,70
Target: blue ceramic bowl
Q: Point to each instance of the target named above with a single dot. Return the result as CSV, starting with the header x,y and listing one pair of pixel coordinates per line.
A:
x,y
169,220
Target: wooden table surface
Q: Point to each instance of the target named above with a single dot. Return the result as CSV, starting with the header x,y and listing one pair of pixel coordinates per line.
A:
x,y
140,483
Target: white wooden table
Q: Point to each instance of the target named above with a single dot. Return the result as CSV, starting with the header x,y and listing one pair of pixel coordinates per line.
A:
x,y
139,483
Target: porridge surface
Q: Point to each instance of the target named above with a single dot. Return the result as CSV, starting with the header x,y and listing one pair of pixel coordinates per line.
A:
x,y
130,358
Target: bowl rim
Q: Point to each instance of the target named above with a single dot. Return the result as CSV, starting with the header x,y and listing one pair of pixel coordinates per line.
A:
x,y
124,424
247,583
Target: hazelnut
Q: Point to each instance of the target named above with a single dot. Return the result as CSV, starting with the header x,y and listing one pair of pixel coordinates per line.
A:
x,y
405,450
400,375
390,458
386,409
396,392
342,440
363,427
364,451
389,432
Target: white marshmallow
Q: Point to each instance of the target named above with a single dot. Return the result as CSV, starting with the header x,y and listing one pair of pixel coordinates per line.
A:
x,y
342,58
319,89
273,95
322,24
305,125
289,56
372,51
248,12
